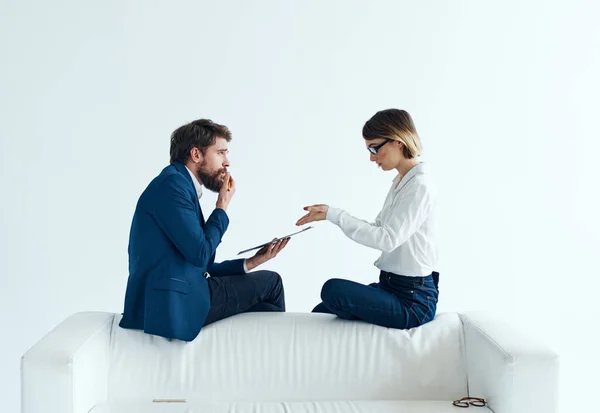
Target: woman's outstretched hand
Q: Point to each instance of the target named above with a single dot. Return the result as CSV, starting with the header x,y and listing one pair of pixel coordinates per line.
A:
x,y
315,213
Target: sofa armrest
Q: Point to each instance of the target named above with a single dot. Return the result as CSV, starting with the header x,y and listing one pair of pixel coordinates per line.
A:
x,y
67,370
511,371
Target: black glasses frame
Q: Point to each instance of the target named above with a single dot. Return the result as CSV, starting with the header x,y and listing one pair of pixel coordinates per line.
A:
x,y
469,401
375,149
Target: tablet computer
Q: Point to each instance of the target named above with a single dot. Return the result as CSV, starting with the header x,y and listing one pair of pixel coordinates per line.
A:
x,y
267,243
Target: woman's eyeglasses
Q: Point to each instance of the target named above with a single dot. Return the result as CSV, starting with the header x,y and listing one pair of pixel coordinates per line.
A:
x,y
375,149
469,401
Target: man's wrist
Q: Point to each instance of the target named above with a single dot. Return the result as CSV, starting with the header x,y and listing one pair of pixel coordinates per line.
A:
x,y
250,264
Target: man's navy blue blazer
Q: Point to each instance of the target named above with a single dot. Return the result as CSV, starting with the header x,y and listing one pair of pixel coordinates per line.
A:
x,y
170,249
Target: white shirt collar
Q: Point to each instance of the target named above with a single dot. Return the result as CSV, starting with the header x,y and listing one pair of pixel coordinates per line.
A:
x,y
197,185
400,182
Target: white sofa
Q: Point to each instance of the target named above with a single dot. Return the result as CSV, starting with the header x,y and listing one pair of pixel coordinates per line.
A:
x,y
287,362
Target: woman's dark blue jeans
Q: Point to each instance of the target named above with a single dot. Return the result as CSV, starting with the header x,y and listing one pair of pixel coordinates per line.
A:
x,y
396,301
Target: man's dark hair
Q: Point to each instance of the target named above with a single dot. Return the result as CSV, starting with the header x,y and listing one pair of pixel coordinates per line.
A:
x,y
200,134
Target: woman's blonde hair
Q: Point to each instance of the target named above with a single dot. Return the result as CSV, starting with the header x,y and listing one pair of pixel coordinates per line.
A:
x,y
397,125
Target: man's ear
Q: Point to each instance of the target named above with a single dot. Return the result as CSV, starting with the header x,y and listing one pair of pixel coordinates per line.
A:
x,y
196,155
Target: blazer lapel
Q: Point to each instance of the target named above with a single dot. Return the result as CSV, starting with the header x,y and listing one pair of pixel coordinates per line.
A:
x,y
202,221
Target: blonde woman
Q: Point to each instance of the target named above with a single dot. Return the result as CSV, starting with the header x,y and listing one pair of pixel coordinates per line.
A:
x,y
404,231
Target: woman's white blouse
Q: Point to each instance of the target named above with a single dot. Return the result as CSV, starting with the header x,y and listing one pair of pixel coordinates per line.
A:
x,y
405,229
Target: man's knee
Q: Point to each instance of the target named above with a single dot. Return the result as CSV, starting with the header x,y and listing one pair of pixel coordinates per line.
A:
x,y
273,288
270,281
273,278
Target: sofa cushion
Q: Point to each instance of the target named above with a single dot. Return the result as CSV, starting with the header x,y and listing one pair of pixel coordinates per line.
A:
x,y
292,357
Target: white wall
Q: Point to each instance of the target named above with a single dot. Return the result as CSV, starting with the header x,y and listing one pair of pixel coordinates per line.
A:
x,y
503,94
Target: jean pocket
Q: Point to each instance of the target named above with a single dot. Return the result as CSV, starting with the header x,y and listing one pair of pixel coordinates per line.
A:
x,y
431,298
401,287
424,306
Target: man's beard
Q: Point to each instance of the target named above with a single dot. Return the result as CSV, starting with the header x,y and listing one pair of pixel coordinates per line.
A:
x,y
213,181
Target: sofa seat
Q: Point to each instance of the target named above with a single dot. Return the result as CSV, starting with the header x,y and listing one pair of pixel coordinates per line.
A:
x,y
289,362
